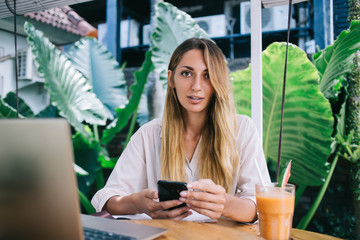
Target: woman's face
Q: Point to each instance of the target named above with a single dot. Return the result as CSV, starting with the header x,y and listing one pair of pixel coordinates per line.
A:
x,y
192,83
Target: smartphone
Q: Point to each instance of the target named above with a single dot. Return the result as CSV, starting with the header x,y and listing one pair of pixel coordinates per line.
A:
x,y
170,190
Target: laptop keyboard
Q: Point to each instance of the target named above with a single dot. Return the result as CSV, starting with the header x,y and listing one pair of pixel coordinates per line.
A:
x,y
93,234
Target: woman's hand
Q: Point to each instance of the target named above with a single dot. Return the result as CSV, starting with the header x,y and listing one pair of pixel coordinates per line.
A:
x,y
207,198
146,202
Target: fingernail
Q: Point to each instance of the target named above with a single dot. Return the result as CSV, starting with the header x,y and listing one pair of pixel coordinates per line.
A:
x,y
182,199
183,194
189,186
188,205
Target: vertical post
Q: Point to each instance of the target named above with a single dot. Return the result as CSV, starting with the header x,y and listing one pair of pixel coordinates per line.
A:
x,y
321,24
111,14
331,17
113,18
154,87
256,66
118,30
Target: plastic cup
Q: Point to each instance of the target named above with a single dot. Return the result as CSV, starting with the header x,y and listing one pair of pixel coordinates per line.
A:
x,y
275,206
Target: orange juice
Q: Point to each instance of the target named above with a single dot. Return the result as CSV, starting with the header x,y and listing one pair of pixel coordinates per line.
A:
x,y
276,208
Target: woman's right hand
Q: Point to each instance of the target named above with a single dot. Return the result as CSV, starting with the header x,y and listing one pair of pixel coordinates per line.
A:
x,y
147,202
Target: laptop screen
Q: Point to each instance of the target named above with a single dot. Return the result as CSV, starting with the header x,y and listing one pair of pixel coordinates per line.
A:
x,y
38,191
38,197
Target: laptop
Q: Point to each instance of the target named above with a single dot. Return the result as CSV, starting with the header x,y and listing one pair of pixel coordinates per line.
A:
x,y
38,190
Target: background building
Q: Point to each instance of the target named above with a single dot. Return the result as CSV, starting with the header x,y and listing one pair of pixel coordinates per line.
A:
x,y
314,24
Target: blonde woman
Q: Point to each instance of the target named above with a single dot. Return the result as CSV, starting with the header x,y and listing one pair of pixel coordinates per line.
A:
x,y
200,140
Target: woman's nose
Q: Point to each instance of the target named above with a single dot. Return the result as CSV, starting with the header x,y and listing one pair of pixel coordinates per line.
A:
x,y
197,83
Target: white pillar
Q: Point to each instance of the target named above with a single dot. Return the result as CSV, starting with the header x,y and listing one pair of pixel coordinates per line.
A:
x,y
256,66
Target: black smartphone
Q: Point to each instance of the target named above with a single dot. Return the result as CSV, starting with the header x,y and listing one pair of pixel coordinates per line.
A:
x,y
170,190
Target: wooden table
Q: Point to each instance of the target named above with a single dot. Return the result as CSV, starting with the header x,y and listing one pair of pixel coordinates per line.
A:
x,y
222,229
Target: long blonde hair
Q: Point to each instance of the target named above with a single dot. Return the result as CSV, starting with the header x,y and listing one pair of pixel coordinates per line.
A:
x,y
218,157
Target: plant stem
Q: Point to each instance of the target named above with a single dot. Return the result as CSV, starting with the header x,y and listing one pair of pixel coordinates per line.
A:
x,y
299,192
86,203
307,218
96,133
131,128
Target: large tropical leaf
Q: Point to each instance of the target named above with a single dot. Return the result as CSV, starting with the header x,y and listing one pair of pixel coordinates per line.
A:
x,y
123,114
49,112
336,60
102,70
308,120
24,109
172,27
68,89
143,110
7,111
86,151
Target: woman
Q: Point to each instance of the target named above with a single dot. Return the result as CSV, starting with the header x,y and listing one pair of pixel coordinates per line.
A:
x,y
200,140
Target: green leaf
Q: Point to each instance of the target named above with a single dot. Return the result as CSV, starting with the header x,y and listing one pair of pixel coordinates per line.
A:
x,y
79,170
24,109
7,111
336,60
67,88
123,114
172,27
104,73
85,202
107,162
104,159
49,112
86,152
308,120
341,119
307,218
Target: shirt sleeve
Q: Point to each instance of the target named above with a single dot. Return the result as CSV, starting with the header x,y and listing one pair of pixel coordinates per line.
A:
x,y
251,152
128,175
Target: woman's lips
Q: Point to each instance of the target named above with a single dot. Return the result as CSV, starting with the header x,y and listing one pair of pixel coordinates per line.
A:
x,y
194,99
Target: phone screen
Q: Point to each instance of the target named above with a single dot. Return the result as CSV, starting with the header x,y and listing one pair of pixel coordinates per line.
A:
x,y
170,190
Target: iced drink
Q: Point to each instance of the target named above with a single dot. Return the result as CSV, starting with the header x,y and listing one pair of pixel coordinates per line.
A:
x,y
275,206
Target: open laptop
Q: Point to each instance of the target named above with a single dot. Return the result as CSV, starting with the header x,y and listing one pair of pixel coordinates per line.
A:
x,y
38,193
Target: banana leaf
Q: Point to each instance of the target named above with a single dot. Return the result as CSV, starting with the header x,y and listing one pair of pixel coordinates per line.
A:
x,y
7,111
68,89
124,114
337,60
308,121
24,109
104,73
172,27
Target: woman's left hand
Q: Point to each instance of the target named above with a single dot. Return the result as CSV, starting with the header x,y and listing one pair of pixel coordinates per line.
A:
x,y
207,198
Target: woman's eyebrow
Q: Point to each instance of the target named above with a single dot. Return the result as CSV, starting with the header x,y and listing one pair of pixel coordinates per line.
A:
x,y
192,69
187,67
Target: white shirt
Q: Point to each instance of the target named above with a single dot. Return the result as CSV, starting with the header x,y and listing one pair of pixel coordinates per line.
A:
x,y
138,167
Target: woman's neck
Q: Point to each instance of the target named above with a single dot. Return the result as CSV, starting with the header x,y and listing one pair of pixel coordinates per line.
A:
x,y
194,124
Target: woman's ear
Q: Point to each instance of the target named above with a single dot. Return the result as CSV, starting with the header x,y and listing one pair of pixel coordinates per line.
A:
x,y
170,80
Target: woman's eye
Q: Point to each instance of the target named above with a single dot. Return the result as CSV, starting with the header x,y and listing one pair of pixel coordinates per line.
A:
x,y
185,74
206,76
